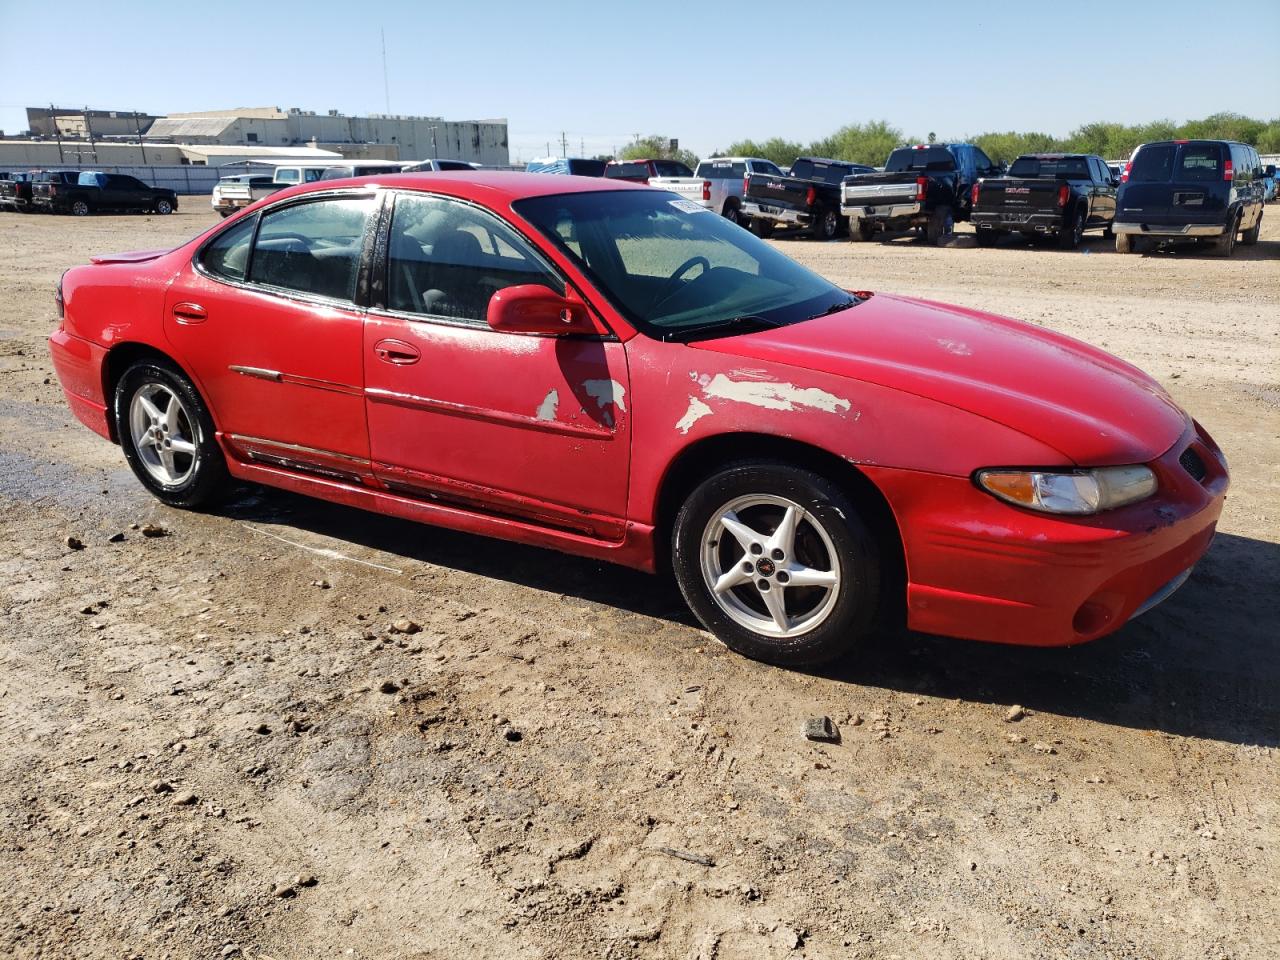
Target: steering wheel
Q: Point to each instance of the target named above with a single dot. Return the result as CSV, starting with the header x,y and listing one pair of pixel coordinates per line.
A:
x,y
669,287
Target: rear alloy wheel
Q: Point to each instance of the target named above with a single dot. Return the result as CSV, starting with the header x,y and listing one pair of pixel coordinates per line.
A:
x,y
940,226
1073,232
1226,244
80,208
168,436
164,207
1250,236
826,225
777,563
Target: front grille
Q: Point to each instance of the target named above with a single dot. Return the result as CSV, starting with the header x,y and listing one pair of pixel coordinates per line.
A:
x,y
1192,463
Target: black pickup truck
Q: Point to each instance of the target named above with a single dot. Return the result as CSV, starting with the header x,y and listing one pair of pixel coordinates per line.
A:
x,y
86,192
926,186
1046,194
15,191
809,197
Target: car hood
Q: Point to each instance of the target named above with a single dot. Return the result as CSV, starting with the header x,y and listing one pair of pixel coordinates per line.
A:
x,y
1092,407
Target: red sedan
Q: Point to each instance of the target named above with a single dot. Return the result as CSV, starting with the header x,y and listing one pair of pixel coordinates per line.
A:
x,y
611,371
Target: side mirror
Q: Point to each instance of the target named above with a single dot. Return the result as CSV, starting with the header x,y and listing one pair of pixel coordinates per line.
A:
x,y
534,309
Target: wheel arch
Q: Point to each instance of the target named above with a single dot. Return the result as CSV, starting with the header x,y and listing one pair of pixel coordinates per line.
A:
x,y
124,355
701,459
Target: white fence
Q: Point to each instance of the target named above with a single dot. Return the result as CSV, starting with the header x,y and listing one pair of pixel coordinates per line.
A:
x,y
179,178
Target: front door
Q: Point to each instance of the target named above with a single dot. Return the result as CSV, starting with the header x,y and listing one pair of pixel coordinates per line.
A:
x,y
266,320
532,427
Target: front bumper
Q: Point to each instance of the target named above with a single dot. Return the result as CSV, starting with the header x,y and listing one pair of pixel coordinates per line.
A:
x,y
764,211
981,569
78,363
1165,230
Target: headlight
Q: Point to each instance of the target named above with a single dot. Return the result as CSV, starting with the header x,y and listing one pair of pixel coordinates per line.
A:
x,y
1073,492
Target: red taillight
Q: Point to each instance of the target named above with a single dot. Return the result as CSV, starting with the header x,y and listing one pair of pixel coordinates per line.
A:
x,y
706,189
746,181
973,196
810,196
1063,193
59,301
922,187
1227,173
1124,175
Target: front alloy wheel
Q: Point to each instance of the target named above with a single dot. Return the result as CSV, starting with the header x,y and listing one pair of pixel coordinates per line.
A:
x,y
776,562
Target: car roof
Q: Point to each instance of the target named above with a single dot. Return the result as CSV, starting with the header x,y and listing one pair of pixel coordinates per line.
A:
x,y
492,186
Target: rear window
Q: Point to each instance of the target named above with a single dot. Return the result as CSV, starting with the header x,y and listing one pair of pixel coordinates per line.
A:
x,y
1153,164
586,168
721,170
1199,161
822,170
927,158
671,168
1074,168
622,171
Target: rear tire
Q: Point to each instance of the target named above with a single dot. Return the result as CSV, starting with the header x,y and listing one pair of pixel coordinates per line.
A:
x,y
781,622
1072,231
940,226
1226,244
988,238
171,449
863,232
1124,243
826,224
732,213
762,228
1250,236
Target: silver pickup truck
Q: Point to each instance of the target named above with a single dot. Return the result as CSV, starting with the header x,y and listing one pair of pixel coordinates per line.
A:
x,y
718,183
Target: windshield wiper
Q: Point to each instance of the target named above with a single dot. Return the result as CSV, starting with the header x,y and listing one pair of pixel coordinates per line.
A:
x,y
750,323
835,308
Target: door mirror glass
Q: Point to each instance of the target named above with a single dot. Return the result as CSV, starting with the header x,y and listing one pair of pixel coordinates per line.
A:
x,y
531,308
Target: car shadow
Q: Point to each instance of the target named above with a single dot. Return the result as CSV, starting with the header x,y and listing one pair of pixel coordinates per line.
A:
x,y
1203,664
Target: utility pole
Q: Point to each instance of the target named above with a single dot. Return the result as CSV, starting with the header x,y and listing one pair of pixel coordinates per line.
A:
x,y
88,131
137,126
582,146
386,85
57,134
564,145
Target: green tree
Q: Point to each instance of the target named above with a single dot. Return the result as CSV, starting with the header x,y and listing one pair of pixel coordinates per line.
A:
x,y
1223,126
868,143
782,152
1269,138
657,147
1007,147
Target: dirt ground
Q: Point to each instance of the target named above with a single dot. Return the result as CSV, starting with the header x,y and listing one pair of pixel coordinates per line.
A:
x,y
198,758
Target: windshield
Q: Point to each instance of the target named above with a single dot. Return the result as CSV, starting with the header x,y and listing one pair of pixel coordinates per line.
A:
x,y
1070,168
674,268
920,158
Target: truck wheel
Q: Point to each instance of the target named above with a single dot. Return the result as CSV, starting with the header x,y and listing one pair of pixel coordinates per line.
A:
x,y
80,208
826,225
778,563
1226,243
164,207
988,238
762,228
1124,243
1072,232
864,230
1250,236
940,226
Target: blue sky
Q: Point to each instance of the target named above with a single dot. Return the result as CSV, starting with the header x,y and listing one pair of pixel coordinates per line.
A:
x,y
604,71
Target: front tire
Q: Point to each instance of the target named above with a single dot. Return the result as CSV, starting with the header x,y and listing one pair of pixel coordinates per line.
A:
x,y
777,562
80,208
168,436
164,207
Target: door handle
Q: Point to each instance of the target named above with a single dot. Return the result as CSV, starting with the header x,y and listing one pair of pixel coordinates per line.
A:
x,y
397,351
189,313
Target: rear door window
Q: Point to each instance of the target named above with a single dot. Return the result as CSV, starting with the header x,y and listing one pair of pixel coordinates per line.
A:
x,y
1199,162
227,254
312,247
1153,164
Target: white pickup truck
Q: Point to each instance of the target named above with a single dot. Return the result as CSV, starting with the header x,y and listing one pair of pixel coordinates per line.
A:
x,y
232,193
718,183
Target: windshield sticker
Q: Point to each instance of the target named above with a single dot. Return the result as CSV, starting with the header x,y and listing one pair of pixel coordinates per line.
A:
x,y
688,206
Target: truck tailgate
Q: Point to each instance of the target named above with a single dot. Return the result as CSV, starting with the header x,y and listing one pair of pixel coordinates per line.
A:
x,y
1009,195
778,191
875,189
688,188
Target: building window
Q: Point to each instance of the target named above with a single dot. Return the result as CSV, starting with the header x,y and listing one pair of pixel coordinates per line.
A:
x,y
251,137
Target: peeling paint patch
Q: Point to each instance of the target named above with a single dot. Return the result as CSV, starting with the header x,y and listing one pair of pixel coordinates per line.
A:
x,y
697,410
606,392
547,409
773,396
956,347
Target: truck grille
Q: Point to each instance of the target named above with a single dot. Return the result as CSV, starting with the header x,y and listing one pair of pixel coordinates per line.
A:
x,y
1192,463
